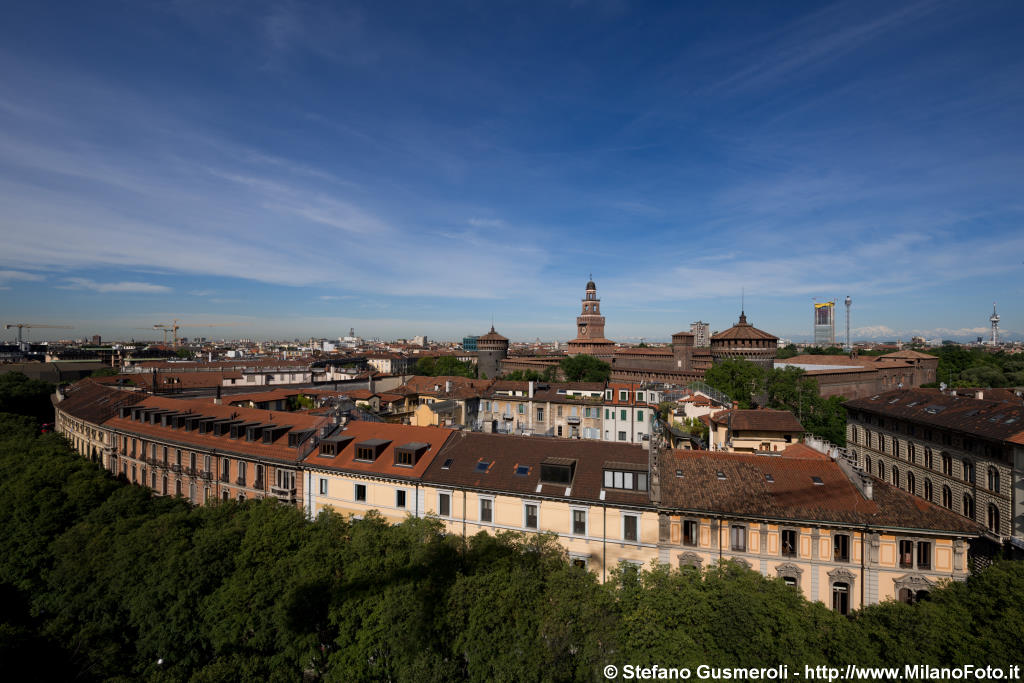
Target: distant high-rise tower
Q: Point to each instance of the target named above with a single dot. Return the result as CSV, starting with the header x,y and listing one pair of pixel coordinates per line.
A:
x,y
994,319
849,302
825,323
701,334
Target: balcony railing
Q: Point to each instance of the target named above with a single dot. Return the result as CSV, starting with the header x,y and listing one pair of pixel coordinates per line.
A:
x,y
573,419
240,481
206,475
259,484
283,494
175,468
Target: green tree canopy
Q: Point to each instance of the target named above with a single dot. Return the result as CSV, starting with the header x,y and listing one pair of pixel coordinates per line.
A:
x,y
584,368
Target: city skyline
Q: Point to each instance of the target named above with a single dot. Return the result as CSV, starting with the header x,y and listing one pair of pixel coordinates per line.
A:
x,y
302,168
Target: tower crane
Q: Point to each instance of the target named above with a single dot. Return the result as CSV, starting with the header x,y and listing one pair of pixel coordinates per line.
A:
x,y
176,325
21,326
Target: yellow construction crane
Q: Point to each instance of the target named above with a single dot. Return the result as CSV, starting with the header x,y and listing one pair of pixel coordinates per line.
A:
x,y
176,325
20,326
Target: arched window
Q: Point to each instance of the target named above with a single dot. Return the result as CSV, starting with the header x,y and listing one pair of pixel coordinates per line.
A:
x,y
912,453
993,518
163,489
867,464
969,471
993,479
881,469
928,458
928,489
947,497
911,483
968,505
895,477
947,464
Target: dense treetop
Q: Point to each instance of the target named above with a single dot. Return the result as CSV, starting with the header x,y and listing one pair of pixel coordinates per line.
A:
x,y
783,389
99,579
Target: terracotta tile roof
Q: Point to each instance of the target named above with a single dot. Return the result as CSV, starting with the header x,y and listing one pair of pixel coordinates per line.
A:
x,y
93,402
742,330
783,488
981,417
277,450
434,385
218,365
388,437
491,336
801,450
505,453
910,353
764,420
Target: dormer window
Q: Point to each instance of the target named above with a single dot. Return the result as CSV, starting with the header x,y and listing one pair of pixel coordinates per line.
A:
x,y
407,455
367,451
557,471
627,476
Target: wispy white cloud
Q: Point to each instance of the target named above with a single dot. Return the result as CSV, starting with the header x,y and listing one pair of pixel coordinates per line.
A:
x,y
486,222
108,287
19,276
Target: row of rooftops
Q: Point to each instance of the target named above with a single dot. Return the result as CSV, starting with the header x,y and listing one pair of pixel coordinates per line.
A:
x,y
1000,420
798,485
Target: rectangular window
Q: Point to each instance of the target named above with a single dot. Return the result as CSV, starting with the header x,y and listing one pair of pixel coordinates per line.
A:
x,y
841,598
623,395
639,416
924,555
361,492
522,409
559,430
841,548
399,498
607,414
622,414
530,516
906,554
444,504
789,542
738,537
559,411
540,414
323,486
640,397
486,510
690,532
579,522
622,436
629,527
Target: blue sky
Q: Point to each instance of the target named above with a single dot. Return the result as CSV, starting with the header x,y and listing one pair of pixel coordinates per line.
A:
x,y
301,168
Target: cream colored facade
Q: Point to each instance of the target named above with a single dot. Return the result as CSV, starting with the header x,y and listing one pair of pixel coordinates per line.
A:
x,y
816,564
600,548
357,495
748,441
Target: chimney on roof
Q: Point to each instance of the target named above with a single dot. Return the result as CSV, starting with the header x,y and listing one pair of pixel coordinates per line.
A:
x,y
531,388
217,401
447,386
